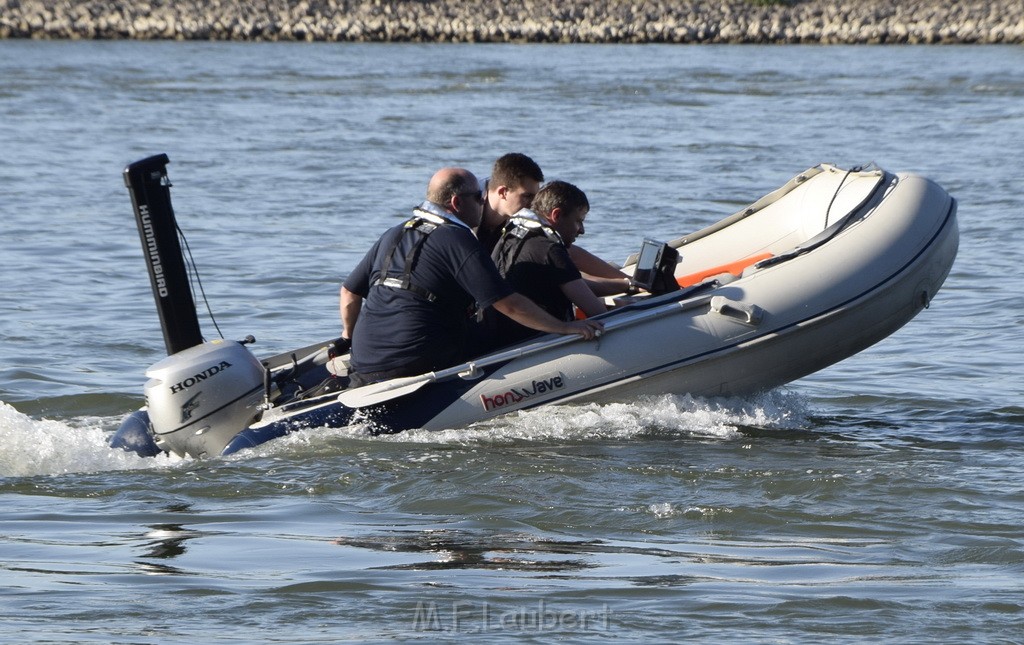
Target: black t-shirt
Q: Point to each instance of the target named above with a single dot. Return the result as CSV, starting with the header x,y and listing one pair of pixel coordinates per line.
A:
x,y
538,272
400,329
489,236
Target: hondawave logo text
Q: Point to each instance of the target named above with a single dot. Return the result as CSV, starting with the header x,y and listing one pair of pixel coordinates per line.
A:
x,y
521,391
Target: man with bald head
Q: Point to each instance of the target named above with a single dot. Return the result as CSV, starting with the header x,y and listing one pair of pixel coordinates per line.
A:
x,y
406,306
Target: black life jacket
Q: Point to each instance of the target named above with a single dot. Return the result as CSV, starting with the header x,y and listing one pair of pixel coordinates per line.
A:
x,y
521,227
421,224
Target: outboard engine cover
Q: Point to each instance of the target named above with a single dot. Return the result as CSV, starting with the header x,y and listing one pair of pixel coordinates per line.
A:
x,y
200,398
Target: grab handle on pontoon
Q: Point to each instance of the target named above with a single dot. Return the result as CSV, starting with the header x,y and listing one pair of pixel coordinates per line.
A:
x,y
749,314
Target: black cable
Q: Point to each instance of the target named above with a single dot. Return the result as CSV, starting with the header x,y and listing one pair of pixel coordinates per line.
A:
x,y
194,271
828,210
836,194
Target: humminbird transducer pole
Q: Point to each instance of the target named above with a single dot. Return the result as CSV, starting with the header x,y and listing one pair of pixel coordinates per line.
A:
x,y
150,190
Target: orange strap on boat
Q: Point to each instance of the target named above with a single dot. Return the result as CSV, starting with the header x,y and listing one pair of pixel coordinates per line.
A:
x,y
735,268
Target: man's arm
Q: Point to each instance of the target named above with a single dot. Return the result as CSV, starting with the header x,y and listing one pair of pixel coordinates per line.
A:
x,y
602,278
581,295
526,312
351,305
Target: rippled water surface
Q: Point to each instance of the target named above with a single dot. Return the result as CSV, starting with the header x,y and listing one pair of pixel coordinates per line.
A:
x,y
879,500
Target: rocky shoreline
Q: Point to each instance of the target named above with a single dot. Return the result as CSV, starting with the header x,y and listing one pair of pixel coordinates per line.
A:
x,y
602,21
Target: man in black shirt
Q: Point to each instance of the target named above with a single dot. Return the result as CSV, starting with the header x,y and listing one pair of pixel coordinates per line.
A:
x,y
405,305
533,255
514,183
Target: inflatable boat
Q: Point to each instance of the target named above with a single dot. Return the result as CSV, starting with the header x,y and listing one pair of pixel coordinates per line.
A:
x,y
812,273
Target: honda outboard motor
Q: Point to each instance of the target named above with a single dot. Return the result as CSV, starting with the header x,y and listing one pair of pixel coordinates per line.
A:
x,y
199,399
202,394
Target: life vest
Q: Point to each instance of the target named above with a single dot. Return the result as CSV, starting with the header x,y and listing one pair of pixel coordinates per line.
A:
x,y
425,220
520,227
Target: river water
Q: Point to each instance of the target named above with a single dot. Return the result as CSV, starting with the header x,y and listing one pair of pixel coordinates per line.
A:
x,y
878,500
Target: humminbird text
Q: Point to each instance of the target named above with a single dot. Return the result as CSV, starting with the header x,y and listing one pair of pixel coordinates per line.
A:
x,y
154,253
